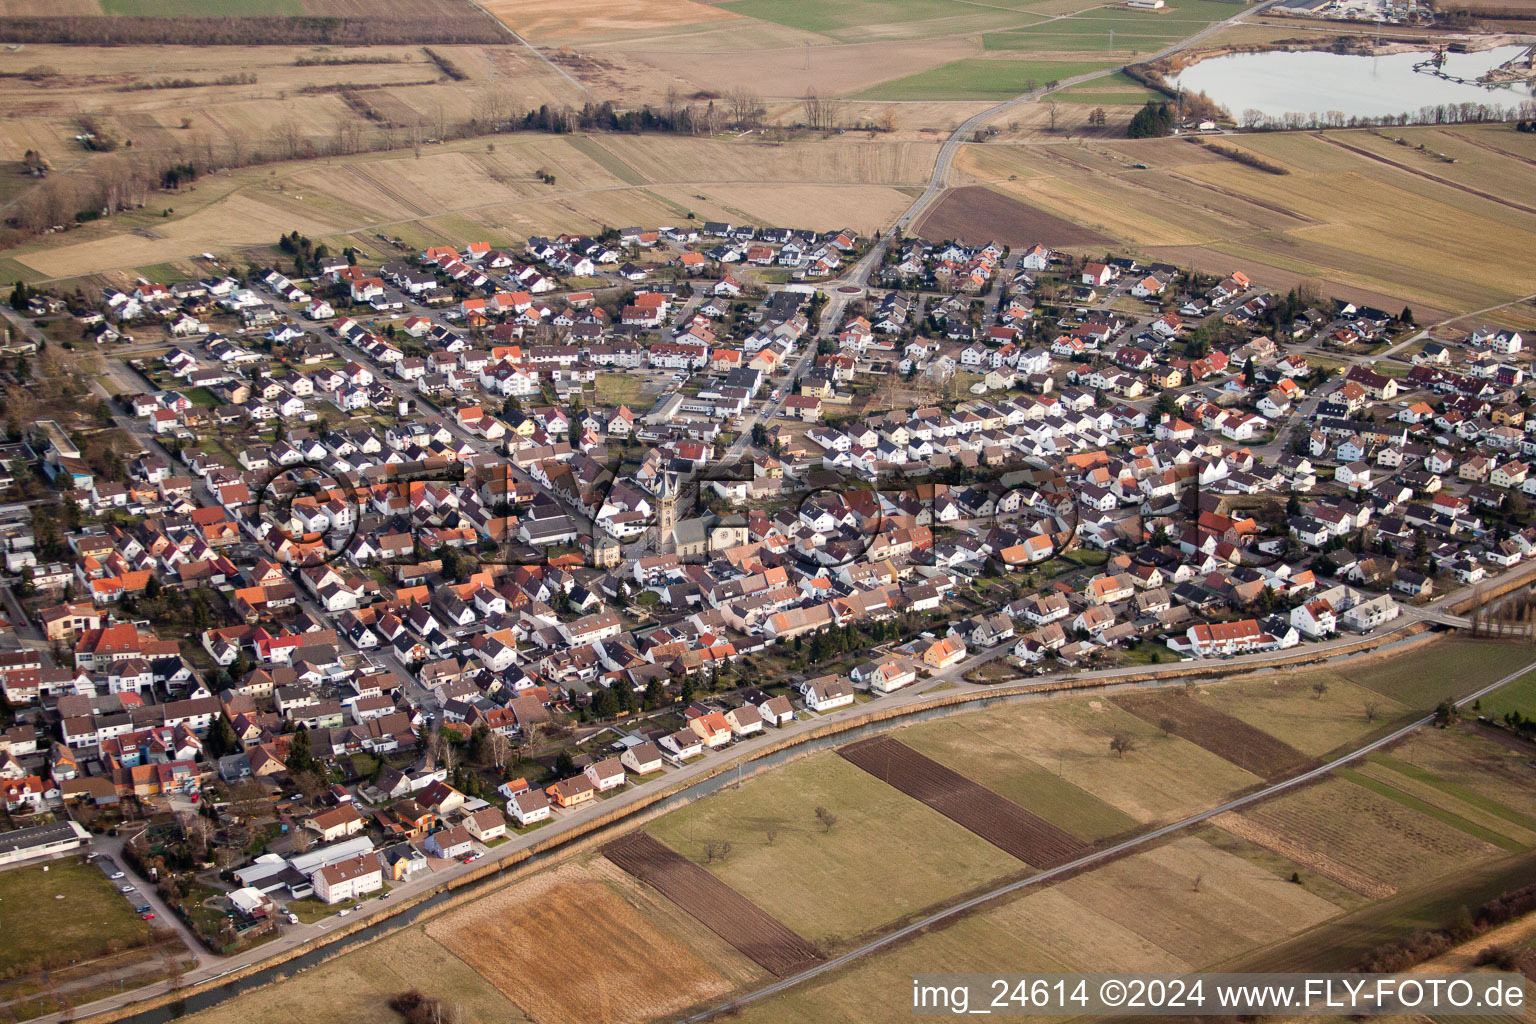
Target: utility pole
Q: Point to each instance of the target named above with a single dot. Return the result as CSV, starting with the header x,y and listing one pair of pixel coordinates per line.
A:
x,y
807,55
1111,40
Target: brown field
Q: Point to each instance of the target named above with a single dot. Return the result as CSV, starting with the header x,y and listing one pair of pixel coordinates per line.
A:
x,y
1476,764
462,192
1184,905
721,909
1334,217
1284,704
639,958
1317,860
555,21
838,69
1250,749
1378,837
977,215
1001,822
355,988
42,115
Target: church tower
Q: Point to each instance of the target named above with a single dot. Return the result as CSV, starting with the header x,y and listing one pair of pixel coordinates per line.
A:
x,y
666,510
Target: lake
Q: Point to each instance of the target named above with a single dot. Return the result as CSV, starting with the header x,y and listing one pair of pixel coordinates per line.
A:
x,y
1277,83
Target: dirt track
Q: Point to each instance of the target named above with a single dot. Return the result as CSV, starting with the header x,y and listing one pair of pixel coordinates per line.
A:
x,y
999,821
720,908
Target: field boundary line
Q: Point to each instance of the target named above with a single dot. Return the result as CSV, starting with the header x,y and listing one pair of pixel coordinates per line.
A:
x,y
1089,860
509,30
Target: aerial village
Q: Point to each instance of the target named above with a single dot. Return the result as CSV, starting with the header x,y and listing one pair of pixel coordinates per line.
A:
x,y
368,566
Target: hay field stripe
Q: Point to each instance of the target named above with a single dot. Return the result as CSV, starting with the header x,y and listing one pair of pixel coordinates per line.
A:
x,y
1454,789
1429,810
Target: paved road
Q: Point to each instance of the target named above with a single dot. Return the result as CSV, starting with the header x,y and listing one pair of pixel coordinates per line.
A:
x,y
938,182
1087,861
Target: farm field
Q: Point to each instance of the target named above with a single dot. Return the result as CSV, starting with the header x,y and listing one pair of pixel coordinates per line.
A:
x,y
994,762
1213,898
760,936
1000,822
235,103
979,215
1286,704
1227,737
644,957
83,909
555,21
1379,837
355,988
824,888
1164,779
1334,217
1451,667
461,192
1181,905
1475,767
1135,31
1519,696
980,79
852,20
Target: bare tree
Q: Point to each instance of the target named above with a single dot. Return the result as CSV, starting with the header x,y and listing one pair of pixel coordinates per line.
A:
x,y
1122,744
716,849
771,835
826,817
1168,725
1319,688
500,748
823,113
746,107
303,841
1372,709
1050,109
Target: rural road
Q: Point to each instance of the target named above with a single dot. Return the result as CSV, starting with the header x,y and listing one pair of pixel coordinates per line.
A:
x,y
1085,861
938,183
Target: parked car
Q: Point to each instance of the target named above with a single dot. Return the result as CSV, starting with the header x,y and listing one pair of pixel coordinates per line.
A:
x,y
148,916
125,888
344,911
115,875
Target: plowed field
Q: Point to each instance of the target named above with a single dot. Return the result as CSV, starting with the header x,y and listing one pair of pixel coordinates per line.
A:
x,y
721,909
1000,822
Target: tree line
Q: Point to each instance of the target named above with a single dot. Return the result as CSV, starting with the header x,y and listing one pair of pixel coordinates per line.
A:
x,y
124,177
375,30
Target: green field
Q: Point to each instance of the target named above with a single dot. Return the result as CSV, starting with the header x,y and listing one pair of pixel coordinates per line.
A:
x,y
886,857
1519,695
202,8
1445,668
981,79
66,910
1144,31
861,17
